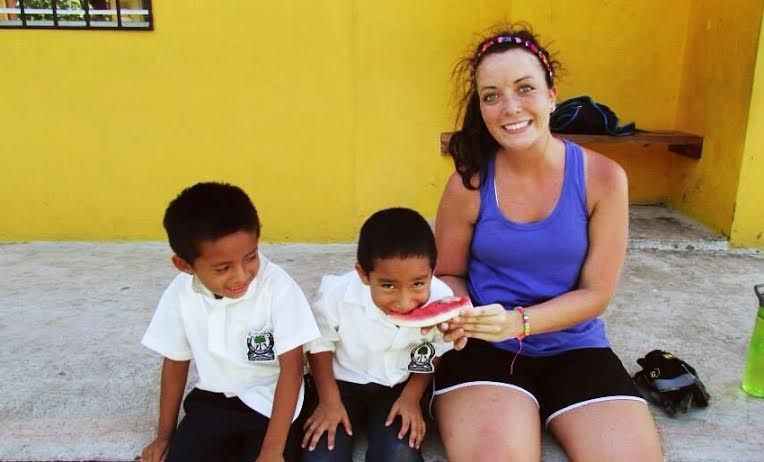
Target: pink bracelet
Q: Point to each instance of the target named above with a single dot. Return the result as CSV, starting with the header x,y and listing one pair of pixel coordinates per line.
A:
x,y
519,338
526,323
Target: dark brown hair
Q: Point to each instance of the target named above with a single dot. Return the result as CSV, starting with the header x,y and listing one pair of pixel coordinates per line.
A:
x,y
207,212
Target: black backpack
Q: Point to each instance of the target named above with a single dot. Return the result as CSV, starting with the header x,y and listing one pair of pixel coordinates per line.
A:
x,y
583,115
670,382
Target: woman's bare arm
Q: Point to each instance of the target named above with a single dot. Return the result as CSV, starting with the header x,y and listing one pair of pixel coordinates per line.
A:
x,y
607,193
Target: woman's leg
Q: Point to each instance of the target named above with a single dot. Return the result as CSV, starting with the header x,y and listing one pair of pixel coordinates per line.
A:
x,y
595,410
489,423
615,430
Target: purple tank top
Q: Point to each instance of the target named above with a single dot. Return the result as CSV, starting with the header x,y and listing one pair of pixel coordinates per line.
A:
x,y
522,264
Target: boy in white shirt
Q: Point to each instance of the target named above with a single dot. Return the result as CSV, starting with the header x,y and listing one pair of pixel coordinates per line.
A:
x,y
243,321
362,363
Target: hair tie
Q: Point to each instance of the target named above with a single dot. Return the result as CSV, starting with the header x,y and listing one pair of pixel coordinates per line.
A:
x,y
528,44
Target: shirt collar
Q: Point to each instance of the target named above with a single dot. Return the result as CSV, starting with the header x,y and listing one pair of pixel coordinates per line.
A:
x,y
358,293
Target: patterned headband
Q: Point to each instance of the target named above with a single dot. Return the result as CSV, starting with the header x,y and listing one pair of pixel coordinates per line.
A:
x,y
535,49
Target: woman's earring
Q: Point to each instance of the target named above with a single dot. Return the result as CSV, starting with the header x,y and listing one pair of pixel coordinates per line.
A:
x,y
554,107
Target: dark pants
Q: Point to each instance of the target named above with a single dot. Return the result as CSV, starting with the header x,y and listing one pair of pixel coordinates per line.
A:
x,y
367,407
220,429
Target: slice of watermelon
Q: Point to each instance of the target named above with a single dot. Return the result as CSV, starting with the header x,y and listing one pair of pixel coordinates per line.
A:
x,y
431,314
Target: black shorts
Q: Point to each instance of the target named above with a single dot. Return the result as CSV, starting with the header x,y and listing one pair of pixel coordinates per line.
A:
x,y
556,383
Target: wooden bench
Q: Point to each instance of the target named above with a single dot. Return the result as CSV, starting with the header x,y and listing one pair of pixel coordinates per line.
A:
x,y
685,144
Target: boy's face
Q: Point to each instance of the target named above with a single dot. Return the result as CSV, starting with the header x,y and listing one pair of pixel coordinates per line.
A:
x,y
398,284
226,266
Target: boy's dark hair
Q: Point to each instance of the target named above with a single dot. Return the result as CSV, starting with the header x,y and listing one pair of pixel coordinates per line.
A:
x,y
395,232
207,212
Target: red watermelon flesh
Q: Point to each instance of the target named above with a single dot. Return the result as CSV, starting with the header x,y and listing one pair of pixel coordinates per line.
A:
x,y
432,313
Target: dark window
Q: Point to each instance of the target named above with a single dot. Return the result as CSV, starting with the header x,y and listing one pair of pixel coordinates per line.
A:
x,y
76,14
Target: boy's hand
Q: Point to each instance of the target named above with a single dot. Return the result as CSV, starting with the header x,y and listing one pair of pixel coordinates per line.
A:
x,y
411,419
325,418
156,451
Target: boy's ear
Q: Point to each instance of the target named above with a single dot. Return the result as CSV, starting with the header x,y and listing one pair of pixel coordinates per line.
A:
x,y
182,265
362,274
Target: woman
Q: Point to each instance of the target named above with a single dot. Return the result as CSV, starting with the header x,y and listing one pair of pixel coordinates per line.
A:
x,y
534,230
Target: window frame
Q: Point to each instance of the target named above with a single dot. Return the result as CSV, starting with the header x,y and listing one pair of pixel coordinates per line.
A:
x,y
55,26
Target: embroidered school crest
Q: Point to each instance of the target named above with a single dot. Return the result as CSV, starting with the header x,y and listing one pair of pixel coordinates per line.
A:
x,y
260,346
421,358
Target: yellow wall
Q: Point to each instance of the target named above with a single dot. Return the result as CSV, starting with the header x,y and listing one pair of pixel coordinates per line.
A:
x,y
405,53
102,129
714,101
627,55
322,111
748,223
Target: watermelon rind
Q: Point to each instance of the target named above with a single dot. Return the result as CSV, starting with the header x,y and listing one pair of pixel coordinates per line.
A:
x,y
403,321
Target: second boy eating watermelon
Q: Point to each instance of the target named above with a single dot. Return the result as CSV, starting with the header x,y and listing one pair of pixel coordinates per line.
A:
x,y
362,365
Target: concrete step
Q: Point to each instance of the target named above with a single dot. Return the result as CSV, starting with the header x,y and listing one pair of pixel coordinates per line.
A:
x,y
77,385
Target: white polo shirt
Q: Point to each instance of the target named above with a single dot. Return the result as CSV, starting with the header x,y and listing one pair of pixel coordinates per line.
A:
x,y
235,343
367,347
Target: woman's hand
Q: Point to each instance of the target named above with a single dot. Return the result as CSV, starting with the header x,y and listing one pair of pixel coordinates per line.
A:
x,y
491,323
326,418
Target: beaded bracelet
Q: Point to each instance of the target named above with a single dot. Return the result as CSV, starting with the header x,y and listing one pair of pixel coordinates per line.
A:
x,y
526,323
519,338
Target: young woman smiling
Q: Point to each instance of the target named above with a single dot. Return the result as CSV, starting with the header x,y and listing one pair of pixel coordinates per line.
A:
x,y
534,229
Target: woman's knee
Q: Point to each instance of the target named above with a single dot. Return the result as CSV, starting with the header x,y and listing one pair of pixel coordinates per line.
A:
x,y
488,423
493,448
621,430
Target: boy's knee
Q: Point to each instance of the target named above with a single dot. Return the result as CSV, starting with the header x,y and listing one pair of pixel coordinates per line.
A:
x,y
325,455
394,450
342,452
405,454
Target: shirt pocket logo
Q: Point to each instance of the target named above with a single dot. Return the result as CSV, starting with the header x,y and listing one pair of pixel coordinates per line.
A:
x,y
421,358
260,346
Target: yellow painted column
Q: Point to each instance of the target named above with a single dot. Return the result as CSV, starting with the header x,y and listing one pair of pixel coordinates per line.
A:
x,y
748,223
714,101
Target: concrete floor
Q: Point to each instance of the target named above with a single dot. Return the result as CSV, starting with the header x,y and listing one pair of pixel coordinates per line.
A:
x,y
77,385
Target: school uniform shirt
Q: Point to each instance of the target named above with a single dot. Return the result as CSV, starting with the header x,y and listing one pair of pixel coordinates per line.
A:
x,y
366,346
235,343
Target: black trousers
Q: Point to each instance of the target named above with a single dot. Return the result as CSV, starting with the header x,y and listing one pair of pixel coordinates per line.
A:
x,y
367,406
220,429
